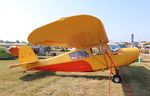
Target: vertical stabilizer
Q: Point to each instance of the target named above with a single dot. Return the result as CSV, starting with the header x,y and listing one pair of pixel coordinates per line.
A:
x,y
26,54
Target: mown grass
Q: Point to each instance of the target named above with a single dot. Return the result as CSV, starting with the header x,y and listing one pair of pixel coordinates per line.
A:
x,y
38,83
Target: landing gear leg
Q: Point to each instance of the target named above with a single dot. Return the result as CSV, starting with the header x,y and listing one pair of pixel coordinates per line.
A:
x,y
116,78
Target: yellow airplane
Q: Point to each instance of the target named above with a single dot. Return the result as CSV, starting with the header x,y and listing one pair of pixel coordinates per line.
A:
x,y
83,32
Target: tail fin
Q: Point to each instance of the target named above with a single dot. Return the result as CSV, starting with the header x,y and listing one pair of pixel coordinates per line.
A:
x,y
27,55
27,58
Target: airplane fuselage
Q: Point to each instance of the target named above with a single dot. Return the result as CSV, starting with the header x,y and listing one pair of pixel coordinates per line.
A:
x,y
88,63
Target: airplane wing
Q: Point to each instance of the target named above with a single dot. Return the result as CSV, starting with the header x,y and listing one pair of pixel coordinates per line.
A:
x,y
76,31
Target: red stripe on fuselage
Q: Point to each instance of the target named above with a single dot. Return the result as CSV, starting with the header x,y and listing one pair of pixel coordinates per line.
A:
x,y
74,66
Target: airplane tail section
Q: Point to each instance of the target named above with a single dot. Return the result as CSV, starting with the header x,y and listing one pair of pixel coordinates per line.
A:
x,y
27,58
27,55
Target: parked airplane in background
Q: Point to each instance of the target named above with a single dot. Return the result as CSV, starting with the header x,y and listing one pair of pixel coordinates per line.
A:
x,y
14,50
84,32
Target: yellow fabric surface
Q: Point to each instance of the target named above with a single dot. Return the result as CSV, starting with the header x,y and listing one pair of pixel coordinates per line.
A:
x,y
76,31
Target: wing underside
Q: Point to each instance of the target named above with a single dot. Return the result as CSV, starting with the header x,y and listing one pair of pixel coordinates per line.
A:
x,y
76,31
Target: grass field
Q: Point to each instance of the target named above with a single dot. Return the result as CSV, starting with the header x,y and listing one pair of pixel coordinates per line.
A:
x,y
13,82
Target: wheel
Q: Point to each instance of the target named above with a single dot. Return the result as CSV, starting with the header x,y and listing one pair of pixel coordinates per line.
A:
x,y
116,79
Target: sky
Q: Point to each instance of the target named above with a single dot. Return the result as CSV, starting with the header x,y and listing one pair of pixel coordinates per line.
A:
x,y
121,18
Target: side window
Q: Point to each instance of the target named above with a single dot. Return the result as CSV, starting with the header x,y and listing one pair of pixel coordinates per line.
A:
x,y
96,51
78,55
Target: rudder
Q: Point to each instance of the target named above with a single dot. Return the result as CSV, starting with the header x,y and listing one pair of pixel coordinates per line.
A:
x,y
26,54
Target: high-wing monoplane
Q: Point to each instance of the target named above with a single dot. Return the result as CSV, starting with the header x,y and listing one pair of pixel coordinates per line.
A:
x,y
85,33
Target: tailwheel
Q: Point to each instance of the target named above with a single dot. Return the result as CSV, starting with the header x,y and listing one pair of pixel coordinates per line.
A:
x,y
116,79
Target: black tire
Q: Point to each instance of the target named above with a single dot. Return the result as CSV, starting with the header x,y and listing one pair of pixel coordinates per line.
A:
x,y
116,79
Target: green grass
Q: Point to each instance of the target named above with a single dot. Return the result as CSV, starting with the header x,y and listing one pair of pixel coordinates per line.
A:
x,y
137,79
136,82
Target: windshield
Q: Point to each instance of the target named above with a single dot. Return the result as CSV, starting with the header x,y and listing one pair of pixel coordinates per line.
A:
x,y
78,55
114,48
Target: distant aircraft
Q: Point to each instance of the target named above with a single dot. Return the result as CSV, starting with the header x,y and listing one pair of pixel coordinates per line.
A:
x,y
14,51
83,32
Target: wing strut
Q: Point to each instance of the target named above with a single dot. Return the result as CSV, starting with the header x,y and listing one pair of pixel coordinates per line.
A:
x,y
111,66
103,52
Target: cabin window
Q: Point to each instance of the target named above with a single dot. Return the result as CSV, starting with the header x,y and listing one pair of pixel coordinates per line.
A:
x,y
96,50
78,55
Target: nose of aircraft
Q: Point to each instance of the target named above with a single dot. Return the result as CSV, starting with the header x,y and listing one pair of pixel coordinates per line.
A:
x,y
132,54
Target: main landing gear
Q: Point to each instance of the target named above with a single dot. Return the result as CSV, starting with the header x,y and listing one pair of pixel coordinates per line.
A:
x,y
116,78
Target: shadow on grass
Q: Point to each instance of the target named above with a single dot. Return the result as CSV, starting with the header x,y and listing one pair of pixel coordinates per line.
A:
x,y
144,61
42,74
3,58
136,81
37,75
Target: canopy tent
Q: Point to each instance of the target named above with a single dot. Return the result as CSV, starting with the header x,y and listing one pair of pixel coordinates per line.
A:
x,y
76,31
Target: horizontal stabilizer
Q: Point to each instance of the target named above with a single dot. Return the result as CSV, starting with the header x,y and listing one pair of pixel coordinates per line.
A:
x,y
27,58
22,64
